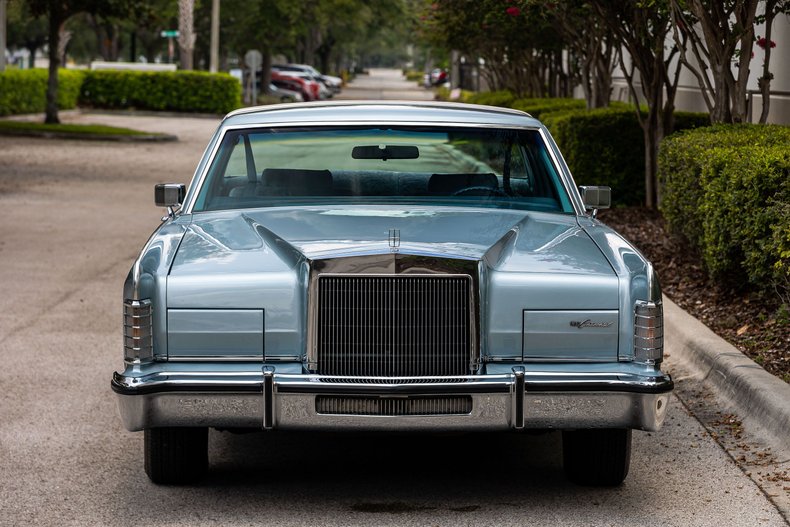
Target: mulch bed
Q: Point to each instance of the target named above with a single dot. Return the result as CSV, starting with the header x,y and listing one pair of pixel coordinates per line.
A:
x,y
757,324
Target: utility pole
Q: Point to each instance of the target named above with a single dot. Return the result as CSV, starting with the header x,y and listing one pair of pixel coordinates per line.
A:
x,y
3,5
214,60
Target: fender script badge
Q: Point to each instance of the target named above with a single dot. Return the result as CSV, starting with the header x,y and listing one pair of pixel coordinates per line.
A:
x,y
394,240
589,324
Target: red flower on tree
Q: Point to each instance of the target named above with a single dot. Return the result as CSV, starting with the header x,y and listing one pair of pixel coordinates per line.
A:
x,y
513,11
762,42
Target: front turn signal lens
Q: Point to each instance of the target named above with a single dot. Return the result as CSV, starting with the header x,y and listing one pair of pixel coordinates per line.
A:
x,y
138,343
648,332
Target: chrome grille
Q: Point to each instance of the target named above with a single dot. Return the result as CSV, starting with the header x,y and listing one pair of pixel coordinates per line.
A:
x,y
442,405
394,326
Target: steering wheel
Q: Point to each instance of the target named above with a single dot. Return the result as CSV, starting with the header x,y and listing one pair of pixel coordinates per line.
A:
x,y
493,191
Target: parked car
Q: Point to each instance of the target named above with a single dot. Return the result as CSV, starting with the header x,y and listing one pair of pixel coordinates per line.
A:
x,y
389,267
285,94
335,84
438,77
308,88
322,90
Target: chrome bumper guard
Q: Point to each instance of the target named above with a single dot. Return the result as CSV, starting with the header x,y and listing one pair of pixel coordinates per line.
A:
x,y
268,400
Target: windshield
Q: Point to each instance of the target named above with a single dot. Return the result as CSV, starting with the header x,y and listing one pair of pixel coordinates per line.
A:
x,y
383,165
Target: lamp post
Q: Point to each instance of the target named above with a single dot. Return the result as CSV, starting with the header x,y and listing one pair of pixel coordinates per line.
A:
x,y
3,5
214,60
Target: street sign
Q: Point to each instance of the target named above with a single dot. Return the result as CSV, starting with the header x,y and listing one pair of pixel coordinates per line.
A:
x,y
253,59
169,33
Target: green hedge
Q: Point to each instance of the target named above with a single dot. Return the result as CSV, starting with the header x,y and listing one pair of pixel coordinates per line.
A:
x,y
539,106
492,98
25,91
726,188
180,91
606,147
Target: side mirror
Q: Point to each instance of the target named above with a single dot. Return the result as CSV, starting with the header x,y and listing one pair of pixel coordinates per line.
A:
x,y
596,198
169,195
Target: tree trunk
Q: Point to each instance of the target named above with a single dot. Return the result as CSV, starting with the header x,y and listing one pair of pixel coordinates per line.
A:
x,y
55,25
764,82
186,36
266,70
653,135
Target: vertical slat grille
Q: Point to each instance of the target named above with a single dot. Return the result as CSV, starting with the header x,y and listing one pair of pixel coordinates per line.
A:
x,y
439,405
394,326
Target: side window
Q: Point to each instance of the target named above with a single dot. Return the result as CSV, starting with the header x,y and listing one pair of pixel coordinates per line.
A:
x,y
236,162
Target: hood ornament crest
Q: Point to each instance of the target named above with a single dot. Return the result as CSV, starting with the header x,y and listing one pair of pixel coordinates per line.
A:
x,y
394,240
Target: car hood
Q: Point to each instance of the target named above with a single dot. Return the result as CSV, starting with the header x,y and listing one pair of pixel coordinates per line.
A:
x,y
253,241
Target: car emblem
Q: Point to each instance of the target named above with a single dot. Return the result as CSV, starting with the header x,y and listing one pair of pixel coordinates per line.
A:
x,y
394,240
589,324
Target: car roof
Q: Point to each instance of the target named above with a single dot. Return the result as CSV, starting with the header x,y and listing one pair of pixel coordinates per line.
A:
x,y
427,112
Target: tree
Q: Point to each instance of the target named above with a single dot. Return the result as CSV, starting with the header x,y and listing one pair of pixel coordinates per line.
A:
x,y
589,41
642,30
186,33
727,28
24,29
58,12
526,62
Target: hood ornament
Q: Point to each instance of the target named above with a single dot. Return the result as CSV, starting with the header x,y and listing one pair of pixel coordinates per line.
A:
x,y
394,240
580,324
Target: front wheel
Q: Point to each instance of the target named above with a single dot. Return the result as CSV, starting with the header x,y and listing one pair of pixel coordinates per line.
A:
x,y
595,457
176,455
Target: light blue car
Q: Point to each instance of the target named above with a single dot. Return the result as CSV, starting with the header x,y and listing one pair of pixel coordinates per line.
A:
x,y
389,266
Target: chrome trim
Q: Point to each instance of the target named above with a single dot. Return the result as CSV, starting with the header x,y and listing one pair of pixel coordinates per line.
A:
x,y
263,399
395,264
231,358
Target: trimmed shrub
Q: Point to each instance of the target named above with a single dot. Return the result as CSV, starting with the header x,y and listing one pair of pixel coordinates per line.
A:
x,y
726,189
492,98
413,75
602,147
606,147
25,91
179,91
538,106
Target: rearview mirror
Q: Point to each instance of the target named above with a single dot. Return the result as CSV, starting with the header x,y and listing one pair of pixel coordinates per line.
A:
x,y
385,152
596,197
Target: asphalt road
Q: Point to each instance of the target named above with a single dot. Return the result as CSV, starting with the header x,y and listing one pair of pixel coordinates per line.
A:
x,y
74,214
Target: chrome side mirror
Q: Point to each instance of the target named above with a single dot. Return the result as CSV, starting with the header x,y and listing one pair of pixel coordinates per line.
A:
x,y
169,195
596,198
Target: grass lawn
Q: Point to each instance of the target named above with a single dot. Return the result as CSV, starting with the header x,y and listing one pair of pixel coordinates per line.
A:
x,y
27,127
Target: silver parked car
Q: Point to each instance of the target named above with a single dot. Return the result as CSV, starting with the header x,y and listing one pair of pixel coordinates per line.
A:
x,y
284,94
387,267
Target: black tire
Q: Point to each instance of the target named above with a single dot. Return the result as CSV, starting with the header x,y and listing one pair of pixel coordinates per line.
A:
x,y
599,458
176,455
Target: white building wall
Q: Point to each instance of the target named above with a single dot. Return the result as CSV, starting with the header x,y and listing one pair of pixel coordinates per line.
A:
x,y
689,96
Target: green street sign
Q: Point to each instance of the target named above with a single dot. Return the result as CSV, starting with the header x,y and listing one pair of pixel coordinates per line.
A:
x,y
169,33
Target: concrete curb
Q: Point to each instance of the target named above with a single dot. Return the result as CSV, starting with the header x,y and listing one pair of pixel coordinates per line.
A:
x,y
759,398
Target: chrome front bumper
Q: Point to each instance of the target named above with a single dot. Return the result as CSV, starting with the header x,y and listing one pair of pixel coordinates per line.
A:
x,y
267,399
